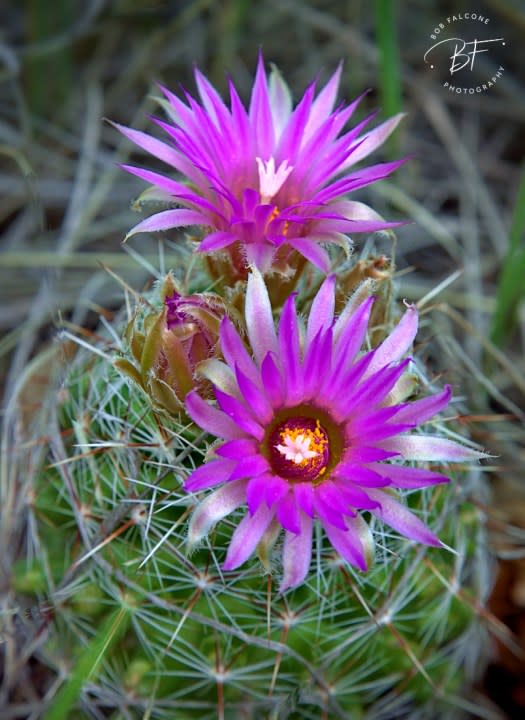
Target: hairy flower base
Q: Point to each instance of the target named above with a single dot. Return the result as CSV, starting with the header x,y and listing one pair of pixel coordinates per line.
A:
x,y
267,179
308,423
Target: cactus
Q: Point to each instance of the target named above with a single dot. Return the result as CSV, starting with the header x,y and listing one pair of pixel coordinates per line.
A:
x,y
165,633
125,618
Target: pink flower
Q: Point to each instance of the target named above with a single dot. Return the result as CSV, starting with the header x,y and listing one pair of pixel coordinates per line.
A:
x,y
307,423
267,179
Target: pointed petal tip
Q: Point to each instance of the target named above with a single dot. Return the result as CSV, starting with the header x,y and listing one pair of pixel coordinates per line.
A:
x,y
213,508
229,564
114,124
290,584
362,564
297,554
247,536
431,540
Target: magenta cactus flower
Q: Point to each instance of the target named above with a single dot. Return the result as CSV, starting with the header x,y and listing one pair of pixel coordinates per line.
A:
x,y
267,178
313,430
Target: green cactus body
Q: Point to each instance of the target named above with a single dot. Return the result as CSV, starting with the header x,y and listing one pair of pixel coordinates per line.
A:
x,y
109,519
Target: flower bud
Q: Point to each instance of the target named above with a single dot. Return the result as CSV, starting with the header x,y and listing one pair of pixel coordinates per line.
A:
x,y
167,346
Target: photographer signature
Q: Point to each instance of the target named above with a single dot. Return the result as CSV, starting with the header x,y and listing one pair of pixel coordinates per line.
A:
x,y
462,55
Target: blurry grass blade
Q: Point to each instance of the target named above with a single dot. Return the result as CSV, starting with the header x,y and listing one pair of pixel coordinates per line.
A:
x,y
389,75
49,78
511,287
87,664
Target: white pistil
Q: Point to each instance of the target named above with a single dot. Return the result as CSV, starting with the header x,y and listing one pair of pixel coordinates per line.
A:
x,y
297,449
270,179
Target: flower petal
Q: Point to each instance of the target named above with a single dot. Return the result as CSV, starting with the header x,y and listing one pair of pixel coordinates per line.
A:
x,y
211,419
312,251
354,318
288,513
323,104
267,542
216,506
234,350
169,219
237,449
212,473
293,134
353,210
422,410
155,147
304,497
289,349
322,311
176,189
374,418
341,385
276,489
325,511
219,374
398,342
358,474
317,363
213,102
272,381
259,319
255,398
280,101
260,114
251,466
355,497
255,492
240,122
216,241
246,537
240,415
399,517
430,447
297,553
371,391
348,542
365,454
375,433
373,139
402,476
350,335
259,254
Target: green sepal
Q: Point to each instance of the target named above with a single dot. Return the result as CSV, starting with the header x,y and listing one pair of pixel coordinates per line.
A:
x,y
152,344
124,366
165,396
178,363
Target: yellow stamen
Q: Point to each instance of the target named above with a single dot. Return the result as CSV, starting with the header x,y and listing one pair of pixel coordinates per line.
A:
x,y
301,445
275,214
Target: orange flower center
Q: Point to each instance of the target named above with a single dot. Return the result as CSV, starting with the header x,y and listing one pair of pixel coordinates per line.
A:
x,y
299,449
